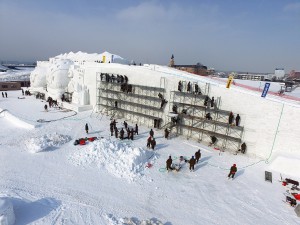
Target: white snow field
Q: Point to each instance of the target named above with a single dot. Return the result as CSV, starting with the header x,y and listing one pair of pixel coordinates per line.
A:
x,y
49,180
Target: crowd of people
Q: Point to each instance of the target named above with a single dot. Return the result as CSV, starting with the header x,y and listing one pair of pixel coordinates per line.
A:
x,y
192,161
151,142
121,134
52,103
114,78
189,88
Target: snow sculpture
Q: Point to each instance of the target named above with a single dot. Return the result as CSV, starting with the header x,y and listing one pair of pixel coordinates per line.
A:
x,y
80,92
65,72
38,75
7,215
57,77
85,96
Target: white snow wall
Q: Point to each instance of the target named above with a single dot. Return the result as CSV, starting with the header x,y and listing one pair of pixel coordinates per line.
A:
x,y
259,116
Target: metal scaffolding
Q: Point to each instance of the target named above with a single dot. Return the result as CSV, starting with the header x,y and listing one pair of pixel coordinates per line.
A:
x,y
192,121
140,105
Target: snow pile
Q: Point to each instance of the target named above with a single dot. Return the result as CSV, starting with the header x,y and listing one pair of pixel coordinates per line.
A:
x,y
132,221
7,215
46,142
15,120
117,158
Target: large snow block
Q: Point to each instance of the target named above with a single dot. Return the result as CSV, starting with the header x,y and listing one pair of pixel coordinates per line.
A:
x,y
7,215
297,210
286,165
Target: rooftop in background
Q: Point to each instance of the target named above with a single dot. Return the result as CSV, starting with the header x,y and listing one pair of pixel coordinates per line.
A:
x,y
198,68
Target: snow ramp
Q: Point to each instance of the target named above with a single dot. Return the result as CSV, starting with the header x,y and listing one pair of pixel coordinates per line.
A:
x,y
4,113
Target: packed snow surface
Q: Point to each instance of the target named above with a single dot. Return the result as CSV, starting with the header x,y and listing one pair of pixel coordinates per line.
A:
x,y
72,184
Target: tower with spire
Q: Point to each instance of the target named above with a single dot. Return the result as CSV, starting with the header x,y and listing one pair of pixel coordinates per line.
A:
x,y
172,63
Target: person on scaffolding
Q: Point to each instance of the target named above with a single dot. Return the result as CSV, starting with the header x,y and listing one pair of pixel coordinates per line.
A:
x,y
208,116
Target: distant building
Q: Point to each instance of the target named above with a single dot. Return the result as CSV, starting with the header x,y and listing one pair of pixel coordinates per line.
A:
x,y
8,86
251,76
279,73
198,69
294,75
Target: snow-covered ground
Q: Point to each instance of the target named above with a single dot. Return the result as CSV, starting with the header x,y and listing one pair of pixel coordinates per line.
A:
x,y
49,180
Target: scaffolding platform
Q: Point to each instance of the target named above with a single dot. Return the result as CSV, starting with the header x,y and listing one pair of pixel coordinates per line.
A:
x,y
140,104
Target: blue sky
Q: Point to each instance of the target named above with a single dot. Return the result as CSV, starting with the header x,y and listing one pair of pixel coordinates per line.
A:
x,y
253,36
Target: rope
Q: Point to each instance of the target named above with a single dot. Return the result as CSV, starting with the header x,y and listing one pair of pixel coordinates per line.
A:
x,y
271,152
47,121
162,169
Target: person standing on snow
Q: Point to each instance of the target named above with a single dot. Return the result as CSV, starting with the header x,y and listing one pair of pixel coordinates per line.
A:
x,y
198,155
132,133
151,133
169,163
243,148
153,143
122,134
116,132
232,172
125,125
86,128
149,141
192,162
167,133
111,127
136,129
